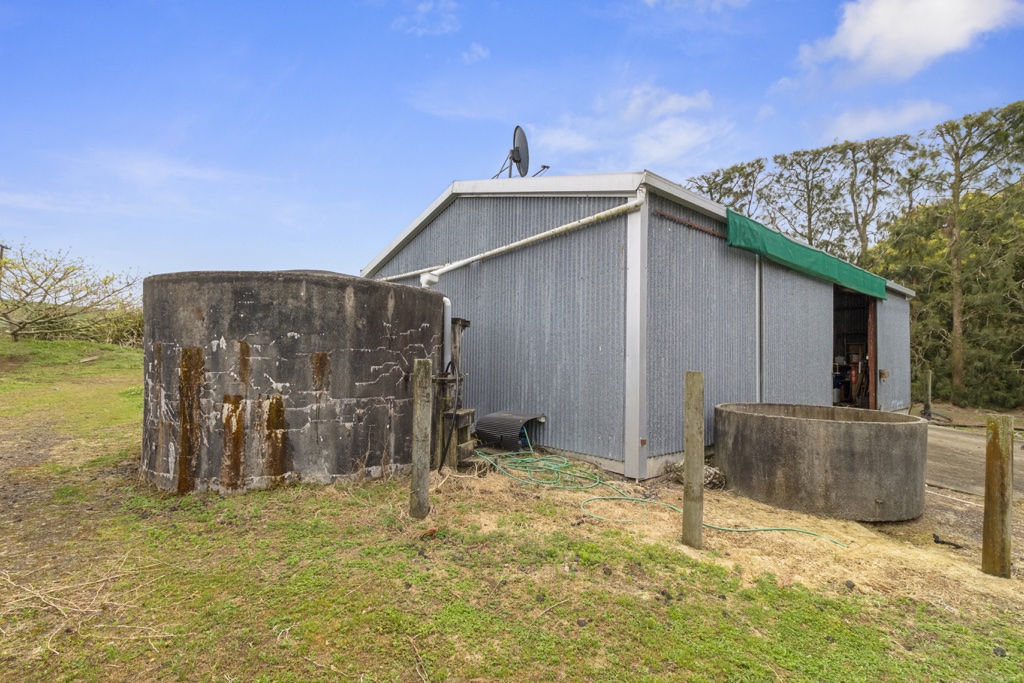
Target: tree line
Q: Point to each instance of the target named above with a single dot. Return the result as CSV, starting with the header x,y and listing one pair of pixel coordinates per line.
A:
x,y
939,211
57,296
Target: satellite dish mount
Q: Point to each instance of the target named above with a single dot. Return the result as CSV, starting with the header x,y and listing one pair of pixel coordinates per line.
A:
x,y
518,156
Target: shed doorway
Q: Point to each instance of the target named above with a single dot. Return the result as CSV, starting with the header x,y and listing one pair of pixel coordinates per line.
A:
x,y
853,349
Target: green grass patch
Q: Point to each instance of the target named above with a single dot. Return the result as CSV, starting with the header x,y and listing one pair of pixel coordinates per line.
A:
x,y
310,583
45,386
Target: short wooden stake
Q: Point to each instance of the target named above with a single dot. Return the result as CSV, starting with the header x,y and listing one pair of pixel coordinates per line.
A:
x,y
693,462
422,415
995,535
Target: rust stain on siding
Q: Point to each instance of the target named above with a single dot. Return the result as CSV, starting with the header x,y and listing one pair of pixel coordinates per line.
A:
x,y
190,421
231,476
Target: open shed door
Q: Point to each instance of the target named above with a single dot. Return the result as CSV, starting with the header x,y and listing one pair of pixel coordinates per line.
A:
x,y
892,366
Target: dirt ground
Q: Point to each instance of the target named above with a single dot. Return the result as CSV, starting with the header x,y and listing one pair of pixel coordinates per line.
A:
x,y
947,413
956,460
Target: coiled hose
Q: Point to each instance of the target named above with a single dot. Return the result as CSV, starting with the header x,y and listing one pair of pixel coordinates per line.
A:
x,y
558,472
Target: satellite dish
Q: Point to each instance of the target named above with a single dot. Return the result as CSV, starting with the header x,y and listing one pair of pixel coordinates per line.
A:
x,y
518,156
520,153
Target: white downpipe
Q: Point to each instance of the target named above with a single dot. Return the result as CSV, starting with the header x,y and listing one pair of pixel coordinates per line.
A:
x,y
447,354
759,303
429,276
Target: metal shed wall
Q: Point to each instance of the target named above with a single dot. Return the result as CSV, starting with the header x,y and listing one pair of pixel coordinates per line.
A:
x,y
797,337
893,335
701,315
547,330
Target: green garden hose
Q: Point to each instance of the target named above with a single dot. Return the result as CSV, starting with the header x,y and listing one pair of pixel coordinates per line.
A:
x,y
558,472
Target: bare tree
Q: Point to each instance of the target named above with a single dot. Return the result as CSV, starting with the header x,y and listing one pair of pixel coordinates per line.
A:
x,y
869,176
42,293
742,187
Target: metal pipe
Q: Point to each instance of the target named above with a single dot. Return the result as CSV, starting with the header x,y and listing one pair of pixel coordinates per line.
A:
x,y
428,276
447,353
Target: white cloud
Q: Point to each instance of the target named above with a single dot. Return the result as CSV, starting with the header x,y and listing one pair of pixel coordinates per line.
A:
x,y
475,53
565,139
452,100
430,18
632,129
646,101
898,38
14,206
700,5
143,168
667,140
901,118
124,182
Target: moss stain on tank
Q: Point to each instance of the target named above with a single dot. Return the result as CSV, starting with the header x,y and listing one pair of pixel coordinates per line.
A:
x,y
231,474
244,363
321,371
276,440
190,386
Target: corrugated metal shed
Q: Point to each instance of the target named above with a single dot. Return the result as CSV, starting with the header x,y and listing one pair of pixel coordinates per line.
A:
x,y
595,328
547,330
798,329
702,315
894,351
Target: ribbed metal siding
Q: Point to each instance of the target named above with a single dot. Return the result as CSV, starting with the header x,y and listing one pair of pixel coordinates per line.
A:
x,y
797,342
472,225
893,336
701,315
547,328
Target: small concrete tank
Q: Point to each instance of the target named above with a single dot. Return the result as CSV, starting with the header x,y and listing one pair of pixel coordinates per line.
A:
x,y
256,378
848,463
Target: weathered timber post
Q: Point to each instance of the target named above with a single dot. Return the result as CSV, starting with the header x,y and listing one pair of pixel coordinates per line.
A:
x,y
693,462
422,416
995,539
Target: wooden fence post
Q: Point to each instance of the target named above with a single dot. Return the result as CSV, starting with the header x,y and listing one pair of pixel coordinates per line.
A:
x,y
995,538
422,415
693,462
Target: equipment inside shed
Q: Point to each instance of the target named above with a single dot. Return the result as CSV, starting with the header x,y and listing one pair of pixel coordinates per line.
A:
x,y
853,349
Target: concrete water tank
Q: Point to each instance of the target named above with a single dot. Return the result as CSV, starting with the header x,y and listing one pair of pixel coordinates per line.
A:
x,y
848,463
257,378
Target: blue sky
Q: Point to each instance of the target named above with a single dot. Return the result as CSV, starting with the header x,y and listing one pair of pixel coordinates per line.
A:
x,y
165,136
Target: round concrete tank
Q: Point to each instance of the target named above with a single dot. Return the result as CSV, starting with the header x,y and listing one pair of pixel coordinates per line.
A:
x,y
849,463
256,378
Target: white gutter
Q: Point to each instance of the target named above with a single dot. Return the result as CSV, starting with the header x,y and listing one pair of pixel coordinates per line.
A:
x,y
429,276
899,289
759,299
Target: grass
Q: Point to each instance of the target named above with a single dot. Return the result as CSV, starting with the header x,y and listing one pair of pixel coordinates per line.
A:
x,y
98,402
103,578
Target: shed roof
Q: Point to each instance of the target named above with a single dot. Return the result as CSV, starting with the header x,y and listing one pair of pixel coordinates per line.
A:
x,y
605,184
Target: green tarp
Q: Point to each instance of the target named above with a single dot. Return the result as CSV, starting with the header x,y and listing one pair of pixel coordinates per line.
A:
x,y
750,235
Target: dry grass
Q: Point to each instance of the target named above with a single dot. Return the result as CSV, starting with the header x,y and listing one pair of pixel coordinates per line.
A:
x,y
875,560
